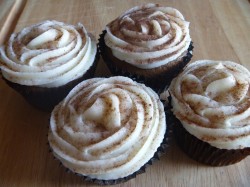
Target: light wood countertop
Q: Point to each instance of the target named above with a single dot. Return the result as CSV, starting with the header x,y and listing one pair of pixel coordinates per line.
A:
x,y
220,30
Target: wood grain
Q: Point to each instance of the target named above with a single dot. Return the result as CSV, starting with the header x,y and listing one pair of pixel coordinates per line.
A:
x,y
5,6
11,20
236,28
220,31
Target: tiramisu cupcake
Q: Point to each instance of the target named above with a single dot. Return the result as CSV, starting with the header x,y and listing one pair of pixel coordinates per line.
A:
x,y
108,129
150,43
211,103
43,62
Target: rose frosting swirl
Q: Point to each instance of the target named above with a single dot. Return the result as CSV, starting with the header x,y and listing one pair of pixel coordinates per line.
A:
x,y
148,36
212,101
48,54
107,128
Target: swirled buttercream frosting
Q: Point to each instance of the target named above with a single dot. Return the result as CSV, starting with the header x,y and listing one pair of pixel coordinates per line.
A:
x,y
212,101
148,36
48,54
107,128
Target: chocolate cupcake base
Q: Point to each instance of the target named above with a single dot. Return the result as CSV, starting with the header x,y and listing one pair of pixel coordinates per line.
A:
x,y
201,151
157,78
46,98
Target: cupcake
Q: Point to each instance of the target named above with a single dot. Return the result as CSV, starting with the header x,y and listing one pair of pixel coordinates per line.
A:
x,y
150,43
108,129
43,62
211,111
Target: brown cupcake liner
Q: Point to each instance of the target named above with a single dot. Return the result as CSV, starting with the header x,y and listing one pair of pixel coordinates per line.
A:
x,y
162,149
46,98
155,82
201,151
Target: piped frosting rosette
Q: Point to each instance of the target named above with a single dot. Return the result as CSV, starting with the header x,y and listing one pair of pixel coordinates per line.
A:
x,y
148,36
107,128
48,54
212,101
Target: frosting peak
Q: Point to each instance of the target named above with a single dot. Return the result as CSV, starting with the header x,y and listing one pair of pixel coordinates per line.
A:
x,y
105,111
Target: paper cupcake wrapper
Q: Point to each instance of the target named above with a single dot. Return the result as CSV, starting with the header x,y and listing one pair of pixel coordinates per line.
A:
x,y
157,82
46,98
162,149
201,151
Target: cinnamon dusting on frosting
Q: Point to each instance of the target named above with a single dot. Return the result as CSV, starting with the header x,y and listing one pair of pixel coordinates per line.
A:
x,y
149,36
48,54
107,128
211,99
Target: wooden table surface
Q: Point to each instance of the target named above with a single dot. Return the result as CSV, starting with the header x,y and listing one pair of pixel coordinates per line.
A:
x,y
220,30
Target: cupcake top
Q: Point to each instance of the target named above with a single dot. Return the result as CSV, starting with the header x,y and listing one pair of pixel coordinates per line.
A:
x,y
48,54
107,128
212,101
148,36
